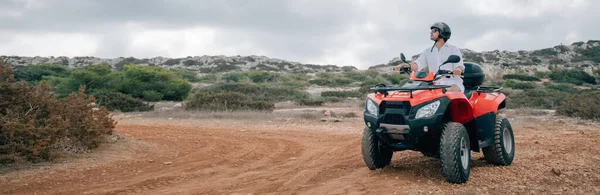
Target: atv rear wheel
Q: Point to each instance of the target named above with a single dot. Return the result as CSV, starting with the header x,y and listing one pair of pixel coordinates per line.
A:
x,y
375,154
455,153
502,152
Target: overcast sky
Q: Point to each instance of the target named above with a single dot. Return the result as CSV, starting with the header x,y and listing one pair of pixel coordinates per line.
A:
x,y
358,33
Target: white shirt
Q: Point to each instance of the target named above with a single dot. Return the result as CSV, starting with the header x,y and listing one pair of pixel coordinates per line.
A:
x,y
433,58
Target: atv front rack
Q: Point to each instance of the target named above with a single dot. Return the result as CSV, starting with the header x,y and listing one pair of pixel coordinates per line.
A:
x,y
384,90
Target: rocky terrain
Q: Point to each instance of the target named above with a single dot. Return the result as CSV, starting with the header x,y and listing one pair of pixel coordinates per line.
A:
x,y
578,54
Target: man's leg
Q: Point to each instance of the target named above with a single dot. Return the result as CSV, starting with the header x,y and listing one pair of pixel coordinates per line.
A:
x,y
454,88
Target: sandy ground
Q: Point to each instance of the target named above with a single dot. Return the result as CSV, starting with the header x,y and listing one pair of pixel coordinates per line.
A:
x,y
293,152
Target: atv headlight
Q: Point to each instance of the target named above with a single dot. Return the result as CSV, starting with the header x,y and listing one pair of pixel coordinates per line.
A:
x,y
372,107
428,110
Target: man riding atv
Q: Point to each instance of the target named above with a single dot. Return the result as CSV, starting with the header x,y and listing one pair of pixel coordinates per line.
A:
x,y
443,113
440,51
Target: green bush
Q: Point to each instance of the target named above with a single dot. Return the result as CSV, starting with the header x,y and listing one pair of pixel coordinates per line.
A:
x,y
152,95
234,77
356,75
188,75
263,91
147,82
121,102
575,76
539,98
93,77
260,76
519,85
521,77
293,80
329,79
137,79
130,60
584,105
541,74
341,81
225,101
564,87
35,73
209,78
320,82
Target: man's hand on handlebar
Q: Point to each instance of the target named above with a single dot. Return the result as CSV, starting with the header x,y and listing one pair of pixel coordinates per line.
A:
x,y
405,66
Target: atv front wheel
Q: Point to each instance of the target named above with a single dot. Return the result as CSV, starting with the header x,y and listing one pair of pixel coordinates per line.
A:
x,y
375,154
502,151
455,153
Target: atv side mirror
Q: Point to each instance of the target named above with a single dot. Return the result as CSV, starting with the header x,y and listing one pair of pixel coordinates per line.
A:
x,y
402,57
452,59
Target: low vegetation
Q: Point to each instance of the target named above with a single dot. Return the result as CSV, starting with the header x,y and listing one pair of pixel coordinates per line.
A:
x,y
519,84
262,91
132,83
521,77
341,94
225,101
130,87
584,105
574,76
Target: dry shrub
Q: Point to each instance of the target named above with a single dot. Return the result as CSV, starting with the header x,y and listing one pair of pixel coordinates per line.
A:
x,y
309,102
32,120
122,102
85,121
349,115
310,115
539,98
584,105
225,101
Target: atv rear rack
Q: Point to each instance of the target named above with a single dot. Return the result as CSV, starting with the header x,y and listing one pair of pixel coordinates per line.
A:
x,y
384,90
487,89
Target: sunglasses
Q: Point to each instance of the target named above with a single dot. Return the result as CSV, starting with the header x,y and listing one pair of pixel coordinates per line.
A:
x,y
433,30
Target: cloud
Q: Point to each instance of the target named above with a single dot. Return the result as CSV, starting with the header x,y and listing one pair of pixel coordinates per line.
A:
x,y
342,32
49,44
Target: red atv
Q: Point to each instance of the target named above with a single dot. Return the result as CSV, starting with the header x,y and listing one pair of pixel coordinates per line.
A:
x,y
423,116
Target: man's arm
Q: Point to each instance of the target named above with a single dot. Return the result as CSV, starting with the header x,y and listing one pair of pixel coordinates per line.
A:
x,y
416,65
420,63
459,67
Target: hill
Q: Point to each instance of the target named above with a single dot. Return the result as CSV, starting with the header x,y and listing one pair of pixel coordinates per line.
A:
x,y
581,54
202,64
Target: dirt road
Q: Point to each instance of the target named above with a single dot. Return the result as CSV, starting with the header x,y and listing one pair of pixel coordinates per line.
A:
x,y
294,156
